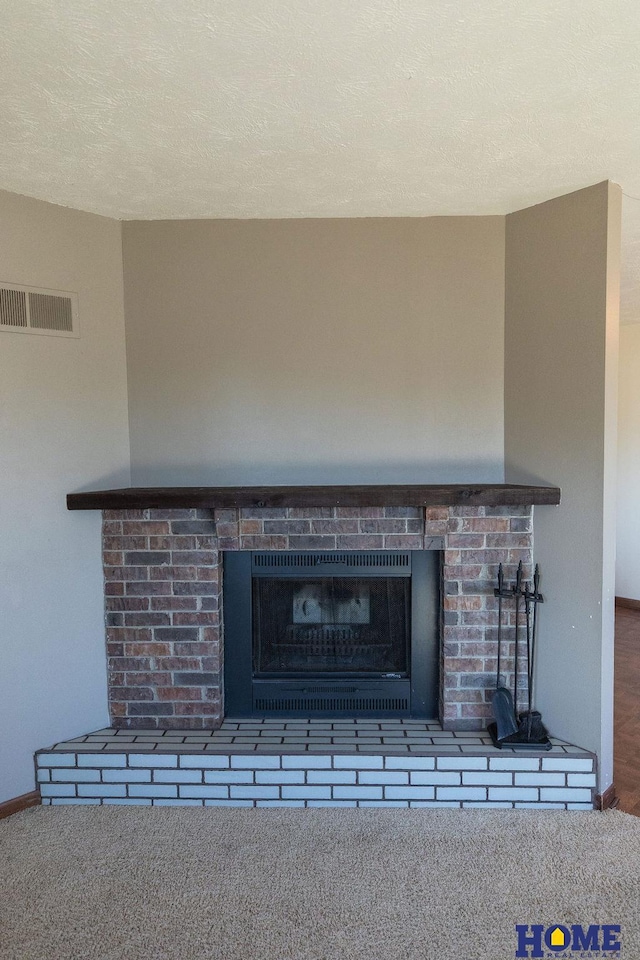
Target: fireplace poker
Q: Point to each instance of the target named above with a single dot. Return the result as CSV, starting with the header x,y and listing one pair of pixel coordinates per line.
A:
x,y
535,729
517,591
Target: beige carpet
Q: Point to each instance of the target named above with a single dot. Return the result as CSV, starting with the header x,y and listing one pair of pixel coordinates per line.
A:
x,y
235,884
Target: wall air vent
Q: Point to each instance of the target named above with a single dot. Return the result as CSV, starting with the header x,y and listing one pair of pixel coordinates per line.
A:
x,y
31,310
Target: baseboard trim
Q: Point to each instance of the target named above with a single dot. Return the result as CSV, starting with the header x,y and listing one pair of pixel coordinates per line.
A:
x,y
628,603
9,807
608,799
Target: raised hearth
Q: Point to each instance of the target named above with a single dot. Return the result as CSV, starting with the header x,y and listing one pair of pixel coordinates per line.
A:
x,y
312,763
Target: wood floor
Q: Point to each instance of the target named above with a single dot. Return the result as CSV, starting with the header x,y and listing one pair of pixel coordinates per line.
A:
x,y
627,710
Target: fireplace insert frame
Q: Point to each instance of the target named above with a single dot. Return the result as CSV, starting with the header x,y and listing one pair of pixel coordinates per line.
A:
x,y
322,695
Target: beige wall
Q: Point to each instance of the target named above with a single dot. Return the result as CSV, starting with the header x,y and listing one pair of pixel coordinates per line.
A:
x,y
311,351
304,351
63,426
561,328
628,530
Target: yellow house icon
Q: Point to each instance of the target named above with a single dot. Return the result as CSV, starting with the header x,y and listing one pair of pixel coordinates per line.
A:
x,y
557,938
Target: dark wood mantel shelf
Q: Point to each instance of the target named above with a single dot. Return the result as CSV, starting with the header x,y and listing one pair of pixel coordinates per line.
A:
x,y
391,495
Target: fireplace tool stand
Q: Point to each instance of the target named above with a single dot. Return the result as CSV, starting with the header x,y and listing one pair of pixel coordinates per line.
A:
x,y
529,732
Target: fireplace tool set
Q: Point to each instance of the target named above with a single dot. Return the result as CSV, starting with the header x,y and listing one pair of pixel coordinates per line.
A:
x,y
513,730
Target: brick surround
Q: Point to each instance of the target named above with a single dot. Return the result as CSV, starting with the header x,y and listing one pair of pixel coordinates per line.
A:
x,y
163,591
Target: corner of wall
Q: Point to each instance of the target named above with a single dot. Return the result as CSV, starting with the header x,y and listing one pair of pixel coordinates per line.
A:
x,y
562,276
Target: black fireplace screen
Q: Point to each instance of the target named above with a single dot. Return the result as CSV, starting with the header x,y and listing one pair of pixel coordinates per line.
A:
x,y
345,625
345,633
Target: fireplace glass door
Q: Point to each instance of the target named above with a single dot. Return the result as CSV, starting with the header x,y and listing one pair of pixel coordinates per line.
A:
x,y
334,626
342,634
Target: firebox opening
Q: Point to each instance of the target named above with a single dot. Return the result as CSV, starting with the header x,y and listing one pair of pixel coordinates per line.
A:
x,y
331,626
346,634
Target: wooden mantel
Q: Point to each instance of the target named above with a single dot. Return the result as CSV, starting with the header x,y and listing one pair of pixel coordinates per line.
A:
x,y
354,495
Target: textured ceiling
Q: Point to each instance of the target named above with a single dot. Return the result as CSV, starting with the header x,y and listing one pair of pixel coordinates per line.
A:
x,y
146,109
287,108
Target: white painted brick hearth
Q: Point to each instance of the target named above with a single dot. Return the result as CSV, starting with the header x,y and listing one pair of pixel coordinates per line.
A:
x,y
231,767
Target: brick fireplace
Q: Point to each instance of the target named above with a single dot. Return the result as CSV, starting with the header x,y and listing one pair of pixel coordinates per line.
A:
x,y
164,596
170,742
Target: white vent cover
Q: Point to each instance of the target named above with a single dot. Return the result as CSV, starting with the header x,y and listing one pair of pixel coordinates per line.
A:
x,y
33,310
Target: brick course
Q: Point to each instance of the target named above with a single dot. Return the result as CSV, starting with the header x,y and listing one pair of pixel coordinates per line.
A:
x,y
163,570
